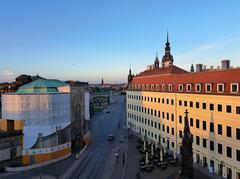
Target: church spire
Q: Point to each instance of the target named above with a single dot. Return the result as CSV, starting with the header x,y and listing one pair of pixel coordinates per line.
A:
x,y
156,62
130,76
167,59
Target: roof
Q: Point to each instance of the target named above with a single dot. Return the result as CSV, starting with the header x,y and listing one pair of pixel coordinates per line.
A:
x,y
205,77
158,71
41,86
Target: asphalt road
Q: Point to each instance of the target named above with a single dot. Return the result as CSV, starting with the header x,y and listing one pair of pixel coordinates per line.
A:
x,y
99,159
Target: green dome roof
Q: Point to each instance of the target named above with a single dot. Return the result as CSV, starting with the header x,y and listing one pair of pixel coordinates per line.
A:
x,y
41,86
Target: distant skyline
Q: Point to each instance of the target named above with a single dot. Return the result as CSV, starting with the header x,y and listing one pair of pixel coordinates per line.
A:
x,y
87,40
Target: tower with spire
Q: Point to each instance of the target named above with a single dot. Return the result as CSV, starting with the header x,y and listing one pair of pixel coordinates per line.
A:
x,y
186,152
167,59
102,83
130,76
156,62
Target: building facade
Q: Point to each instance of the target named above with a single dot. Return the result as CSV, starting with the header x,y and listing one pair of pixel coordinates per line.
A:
x,y
44,108
158,97
11,143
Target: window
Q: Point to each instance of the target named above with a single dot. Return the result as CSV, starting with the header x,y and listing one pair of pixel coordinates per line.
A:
x,y
163,87
172,116
211,106
220,88
191,104
180,119
219,107
208,88
211,127
143,87
172,102
157,87
167,116
180,133
170,87
238,110
229,152
167,129
219,129
191,122
238,133
229,109
197,140
163,100
197,104
204,143
204,106
204,125
152,87
189,87
185,103
220,148
211,145
167,101
234,87
197,123
229,131
238,155
172,131
163,127
198,88
180,102
180,87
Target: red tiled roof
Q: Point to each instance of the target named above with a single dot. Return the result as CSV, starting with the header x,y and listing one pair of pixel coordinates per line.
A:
x,y
157,71
211,76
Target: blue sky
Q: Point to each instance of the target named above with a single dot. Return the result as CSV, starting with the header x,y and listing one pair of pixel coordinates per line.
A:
x,y
89,39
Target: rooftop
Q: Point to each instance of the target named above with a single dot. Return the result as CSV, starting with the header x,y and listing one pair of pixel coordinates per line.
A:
x,y
42,86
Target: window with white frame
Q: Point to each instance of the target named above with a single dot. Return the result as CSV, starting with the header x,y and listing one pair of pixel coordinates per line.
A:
x,y
147,87
234,87
220,88
170,87
198,88
143,87
157,87
208,88
189,87
163,87
180,87
152,87
139,87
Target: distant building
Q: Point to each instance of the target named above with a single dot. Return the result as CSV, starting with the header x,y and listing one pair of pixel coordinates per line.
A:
x,y
80,116
44,107
11,143
158,97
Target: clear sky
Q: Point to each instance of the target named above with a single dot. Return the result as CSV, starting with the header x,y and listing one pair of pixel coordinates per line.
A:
x,y
88,39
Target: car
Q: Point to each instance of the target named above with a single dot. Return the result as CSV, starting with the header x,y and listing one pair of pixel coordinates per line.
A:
x,y
108,112
110,137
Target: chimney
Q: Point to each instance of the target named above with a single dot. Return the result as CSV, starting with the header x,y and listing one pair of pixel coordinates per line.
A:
x,y
199,67
204,67
225,64
211,67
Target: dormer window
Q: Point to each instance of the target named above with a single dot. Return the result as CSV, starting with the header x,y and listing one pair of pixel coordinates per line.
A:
x,y
147,87
143,87
157,87
220,88
139,87
189,87
170,87
152,87
198,88
180,87
135,87
208,88
234,87
163,87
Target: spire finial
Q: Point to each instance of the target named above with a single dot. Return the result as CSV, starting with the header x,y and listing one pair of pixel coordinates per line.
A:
x,y
167,36
156,55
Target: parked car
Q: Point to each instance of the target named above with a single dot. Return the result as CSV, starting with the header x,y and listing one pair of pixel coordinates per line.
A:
x,y
110,137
